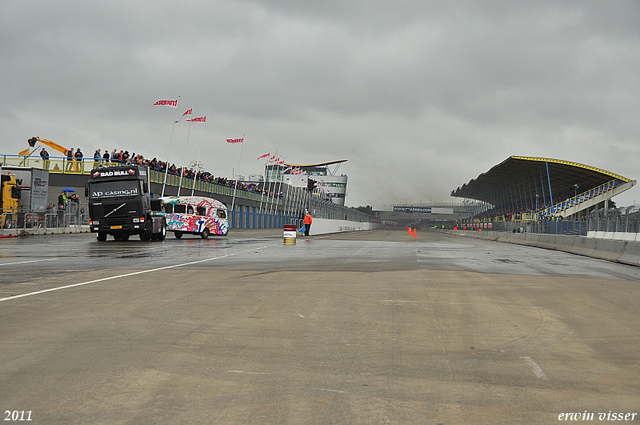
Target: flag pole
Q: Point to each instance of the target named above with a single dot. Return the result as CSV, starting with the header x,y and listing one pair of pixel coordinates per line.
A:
x,y
264,187
275,190
184,158
267,209
166,171
235,186
288,203
278,189
199,152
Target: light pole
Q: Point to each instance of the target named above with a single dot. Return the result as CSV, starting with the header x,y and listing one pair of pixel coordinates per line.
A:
x,y
537,222
575,201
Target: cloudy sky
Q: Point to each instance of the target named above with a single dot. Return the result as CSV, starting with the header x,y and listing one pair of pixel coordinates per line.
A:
x,y
419,96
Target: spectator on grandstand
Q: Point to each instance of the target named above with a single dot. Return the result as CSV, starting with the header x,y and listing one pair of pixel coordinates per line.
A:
x,y
96,158
69,160
78,163
45,158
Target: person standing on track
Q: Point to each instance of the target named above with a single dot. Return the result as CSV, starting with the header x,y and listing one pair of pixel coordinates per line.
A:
x,y
307,223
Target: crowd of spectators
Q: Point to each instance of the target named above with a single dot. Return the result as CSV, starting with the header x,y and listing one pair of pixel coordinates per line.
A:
x,y
492,215
114,158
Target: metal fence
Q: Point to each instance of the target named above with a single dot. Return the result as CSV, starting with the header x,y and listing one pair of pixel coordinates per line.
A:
x,y
295,202
624,220
75,215
619,220
550,227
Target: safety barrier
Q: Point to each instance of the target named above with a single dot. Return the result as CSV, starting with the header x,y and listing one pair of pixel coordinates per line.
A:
x,y
73,220
626,252
324,226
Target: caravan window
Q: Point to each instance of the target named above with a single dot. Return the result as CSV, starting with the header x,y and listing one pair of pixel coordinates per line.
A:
x,y
167,208
179,208
189,209
201,210
221,214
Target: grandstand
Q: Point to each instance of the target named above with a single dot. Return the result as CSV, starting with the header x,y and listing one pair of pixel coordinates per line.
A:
x,y
534,188
336,185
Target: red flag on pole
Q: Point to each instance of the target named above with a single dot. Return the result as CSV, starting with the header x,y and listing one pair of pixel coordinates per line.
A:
x,y
186,114
172,103
198,119
235,140
265,155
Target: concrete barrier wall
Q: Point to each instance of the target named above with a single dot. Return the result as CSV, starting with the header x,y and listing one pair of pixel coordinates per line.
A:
x,y
321,226
631,254
621,251
44,231
620,236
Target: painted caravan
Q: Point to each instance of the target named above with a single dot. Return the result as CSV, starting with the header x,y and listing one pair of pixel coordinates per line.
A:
x,y
195,215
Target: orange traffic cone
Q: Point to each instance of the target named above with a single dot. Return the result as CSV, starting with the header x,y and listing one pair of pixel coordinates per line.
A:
x,y
409,231
414,233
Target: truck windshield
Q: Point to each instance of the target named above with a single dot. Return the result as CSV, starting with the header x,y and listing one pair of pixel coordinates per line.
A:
x,y
114,189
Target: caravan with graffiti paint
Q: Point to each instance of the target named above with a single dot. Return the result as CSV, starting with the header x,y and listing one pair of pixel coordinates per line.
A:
x,y
195,215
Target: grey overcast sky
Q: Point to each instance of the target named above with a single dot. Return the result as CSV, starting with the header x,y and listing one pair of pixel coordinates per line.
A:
x,y
419,96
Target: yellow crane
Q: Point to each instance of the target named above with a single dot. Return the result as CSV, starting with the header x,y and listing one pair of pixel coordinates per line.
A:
x,y
53,145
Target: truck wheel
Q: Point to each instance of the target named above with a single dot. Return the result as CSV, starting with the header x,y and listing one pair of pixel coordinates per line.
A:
x,y
205,234
102,237
163,233
178,235
146,234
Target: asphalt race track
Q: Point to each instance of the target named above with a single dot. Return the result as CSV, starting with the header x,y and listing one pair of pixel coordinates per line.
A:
x,y
374,327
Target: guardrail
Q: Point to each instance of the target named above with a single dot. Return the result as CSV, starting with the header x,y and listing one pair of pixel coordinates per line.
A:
x,y
580,198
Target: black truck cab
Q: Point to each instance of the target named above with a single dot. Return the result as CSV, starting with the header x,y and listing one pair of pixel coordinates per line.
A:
x,y
120,204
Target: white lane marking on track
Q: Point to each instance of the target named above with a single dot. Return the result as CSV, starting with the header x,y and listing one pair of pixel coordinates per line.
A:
x,y
536,369
400,301
247,373
127,275
331,391
25,262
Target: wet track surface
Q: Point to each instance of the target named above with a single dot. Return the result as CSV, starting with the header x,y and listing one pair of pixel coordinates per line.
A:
x,y
371,327
369,251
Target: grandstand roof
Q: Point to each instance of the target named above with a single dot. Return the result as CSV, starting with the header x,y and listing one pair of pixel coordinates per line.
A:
x,y
520,177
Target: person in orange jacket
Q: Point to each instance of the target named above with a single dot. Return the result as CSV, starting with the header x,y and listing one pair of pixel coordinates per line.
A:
x,y
307,223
